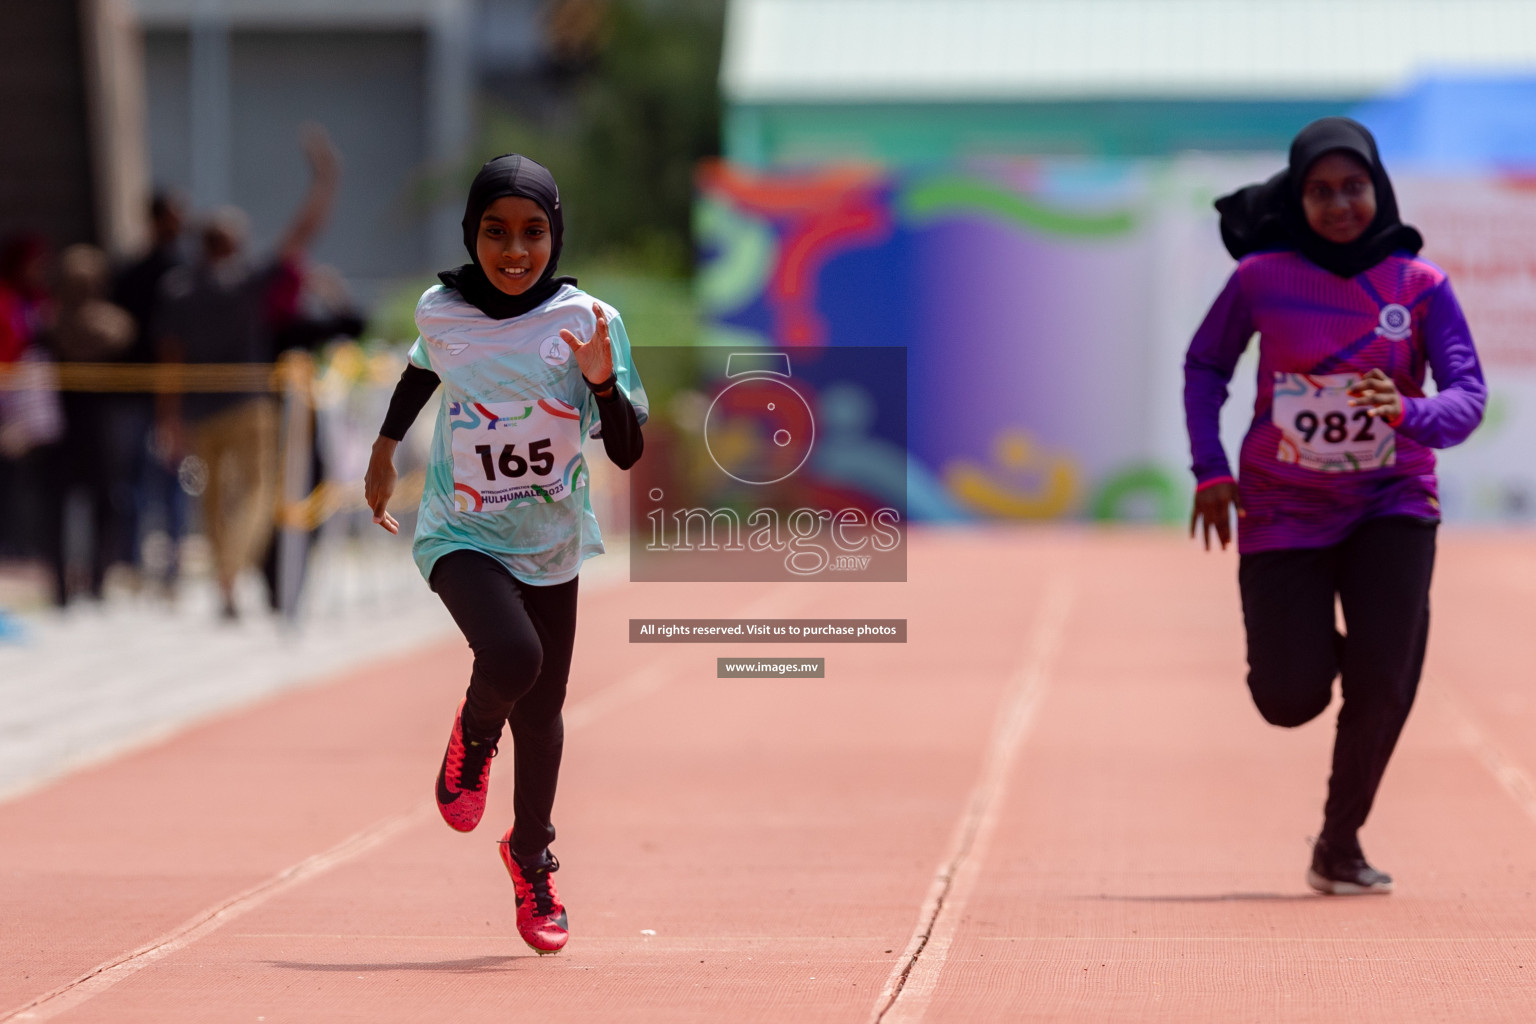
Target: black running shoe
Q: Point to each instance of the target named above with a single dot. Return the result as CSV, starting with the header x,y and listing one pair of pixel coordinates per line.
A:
x,y
1344,872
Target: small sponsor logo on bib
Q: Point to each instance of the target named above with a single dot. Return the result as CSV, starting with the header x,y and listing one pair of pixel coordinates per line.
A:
x,y
556,353
1395,322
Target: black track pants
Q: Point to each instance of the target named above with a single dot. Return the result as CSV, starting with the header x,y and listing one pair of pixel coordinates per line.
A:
x,y
1380,574
522,637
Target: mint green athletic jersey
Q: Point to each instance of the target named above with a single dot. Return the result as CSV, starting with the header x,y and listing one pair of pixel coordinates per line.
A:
x,y
506,476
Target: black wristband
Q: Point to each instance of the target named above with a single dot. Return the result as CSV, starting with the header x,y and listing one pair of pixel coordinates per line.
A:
x,y
611,382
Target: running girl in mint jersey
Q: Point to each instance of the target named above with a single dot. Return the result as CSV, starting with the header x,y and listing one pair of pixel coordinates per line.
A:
x,y
530,367
1335,493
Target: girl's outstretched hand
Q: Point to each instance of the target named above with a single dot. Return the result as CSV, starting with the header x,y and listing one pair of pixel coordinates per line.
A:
x,y
379,482
1378,394
1213,506
595,357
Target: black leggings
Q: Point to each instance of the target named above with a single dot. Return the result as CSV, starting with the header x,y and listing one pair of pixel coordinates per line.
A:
x,y
522,637
1381,574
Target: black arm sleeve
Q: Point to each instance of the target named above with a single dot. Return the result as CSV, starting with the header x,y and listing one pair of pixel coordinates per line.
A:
x,y
621,428
410,397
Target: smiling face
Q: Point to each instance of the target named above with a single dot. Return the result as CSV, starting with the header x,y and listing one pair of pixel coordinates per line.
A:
x,y
1338,197
514,244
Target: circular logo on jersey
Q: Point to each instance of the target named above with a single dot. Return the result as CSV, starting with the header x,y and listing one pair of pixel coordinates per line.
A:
x,y
759,430
1395,322
554,351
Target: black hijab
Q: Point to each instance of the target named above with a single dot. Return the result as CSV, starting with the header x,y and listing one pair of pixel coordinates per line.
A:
x,y
509,175
1270,216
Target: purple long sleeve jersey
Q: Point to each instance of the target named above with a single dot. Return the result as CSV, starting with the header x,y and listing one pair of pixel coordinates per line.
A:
x,y
1399,316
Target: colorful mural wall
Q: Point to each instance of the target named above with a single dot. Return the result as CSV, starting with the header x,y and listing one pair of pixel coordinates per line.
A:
x,y
1045,307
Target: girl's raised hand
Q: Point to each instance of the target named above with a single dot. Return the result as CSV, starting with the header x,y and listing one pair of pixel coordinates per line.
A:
x,y
1379,394
595,357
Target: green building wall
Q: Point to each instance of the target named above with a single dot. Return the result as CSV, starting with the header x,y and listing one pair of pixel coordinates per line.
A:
x,y
768,134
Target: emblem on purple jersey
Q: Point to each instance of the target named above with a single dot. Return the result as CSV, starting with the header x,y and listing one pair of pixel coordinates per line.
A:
x,y
1395,322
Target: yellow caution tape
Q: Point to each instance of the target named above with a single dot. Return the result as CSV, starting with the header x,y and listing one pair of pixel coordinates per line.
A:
x,y
157,378
295,373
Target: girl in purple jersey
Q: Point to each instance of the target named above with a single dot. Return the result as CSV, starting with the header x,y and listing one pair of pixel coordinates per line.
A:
x,y
1335,494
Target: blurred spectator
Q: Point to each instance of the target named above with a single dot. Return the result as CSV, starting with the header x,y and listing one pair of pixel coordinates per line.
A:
x,y
30,418
150,489
23,289
83,327
216,311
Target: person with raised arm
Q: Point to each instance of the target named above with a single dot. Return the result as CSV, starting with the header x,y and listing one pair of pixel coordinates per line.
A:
x,y
215,311
530,366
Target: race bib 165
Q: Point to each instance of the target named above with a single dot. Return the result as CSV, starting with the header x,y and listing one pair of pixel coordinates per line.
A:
x,y
512,453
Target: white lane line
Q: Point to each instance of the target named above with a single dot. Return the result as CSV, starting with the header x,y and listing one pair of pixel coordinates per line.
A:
x,y
912,981
637,684
68,996
1511,777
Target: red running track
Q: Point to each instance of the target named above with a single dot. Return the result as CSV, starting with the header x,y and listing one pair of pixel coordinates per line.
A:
x,y
1054,803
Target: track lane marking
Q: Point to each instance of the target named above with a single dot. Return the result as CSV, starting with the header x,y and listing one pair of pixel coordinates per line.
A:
x,y
1353,942
914,978
1505,769
636,685
71,994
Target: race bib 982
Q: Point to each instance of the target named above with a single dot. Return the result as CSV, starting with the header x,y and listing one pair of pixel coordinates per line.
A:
x,y
1320,430
512,453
